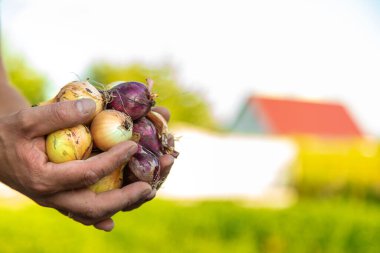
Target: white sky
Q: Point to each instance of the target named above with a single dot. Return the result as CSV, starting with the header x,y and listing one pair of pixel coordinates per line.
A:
x,y
326,49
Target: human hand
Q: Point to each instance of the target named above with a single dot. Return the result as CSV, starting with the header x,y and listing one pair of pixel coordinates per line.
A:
x,y
25,166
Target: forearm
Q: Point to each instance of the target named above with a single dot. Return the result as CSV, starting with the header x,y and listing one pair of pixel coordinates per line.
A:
x,y
10,99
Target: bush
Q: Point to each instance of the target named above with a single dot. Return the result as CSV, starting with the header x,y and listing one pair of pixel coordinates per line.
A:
x,y
330,167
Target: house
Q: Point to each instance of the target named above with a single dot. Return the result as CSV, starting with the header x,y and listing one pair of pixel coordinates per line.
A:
x,y
255,166
288,116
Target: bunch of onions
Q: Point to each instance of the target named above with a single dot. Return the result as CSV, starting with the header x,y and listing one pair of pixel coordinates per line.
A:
x,y
123,112
150,130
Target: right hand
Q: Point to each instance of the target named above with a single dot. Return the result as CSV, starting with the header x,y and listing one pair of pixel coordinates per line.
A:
x,y
25,166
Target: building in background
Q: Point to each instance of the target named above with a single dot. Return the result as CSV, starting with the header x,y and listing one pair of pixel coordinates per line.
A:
x,y
284,116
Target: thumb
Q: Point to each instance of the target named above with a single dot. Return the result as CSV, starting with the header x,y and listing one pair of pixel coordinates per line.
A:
x,y
42,120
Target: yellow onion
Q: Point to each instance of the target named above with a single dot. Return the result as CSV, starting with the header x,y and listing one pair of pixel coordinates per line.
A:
x,y
159,121
79,90
111,127
69,144
112,181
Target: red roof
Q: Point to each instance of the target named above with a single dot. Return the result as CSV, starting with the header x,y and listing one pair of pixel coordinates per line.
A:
x,y
290,116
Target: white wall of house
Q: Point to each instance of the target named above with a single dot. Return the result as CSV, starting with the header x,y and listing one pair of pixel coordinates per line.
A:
x,y
226,166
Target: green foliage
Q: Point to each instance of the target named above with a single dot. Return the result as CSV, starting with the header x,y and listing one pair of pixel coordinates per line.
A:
x,y
185,106
31,83
333,226
330,167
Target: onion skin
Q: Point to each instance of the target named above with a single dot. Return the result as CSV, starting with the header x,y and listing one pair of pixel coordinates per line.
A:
x,y
145,166
109,182
132,98
69,144
79,90
109,128
165,138
146,134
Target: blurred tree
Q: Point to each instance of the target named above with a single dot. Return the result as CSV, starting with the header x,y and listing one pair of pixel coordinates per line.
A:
x,y
185,106
32,84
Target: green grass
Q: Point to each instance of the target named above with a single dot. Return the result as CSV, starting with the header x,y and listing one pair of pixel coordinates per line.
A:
x,y
165,226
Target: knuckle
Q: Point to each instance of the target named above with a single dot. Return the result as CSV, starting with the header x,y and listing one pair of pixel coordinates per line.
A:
x,y
92,213
40,188
60,112
38,183
23,121
90,177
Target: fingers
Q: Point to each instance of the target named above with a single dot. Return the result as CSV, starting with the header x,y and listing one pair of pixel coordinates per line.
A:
x,y
83,173
42,120
166,162
163,111
106,225
90,208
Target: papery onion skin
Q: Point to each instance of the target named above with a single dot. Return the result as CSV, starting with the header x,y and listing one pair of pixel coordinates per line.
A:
x,y
145,166
80,90
69,144
146,133
109,128
164,136
132,98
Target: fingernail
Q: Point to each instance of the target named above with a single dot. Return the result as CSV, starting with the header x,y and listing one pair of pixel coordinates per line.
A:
x,y
110,226
132,149
85,106
146,193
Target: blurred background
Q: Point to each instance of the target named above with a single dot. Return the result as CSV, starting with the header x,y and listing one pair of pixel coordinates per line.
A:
x,y
274,104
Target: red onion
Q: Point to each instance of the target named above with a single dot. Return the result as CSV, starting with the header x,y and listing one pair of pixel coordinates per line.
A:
x,y
145,166
132,98
145,133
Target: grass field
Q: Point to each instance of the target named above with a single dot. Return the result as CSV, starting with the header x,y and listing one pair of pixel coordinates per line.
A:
x,y
167,226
